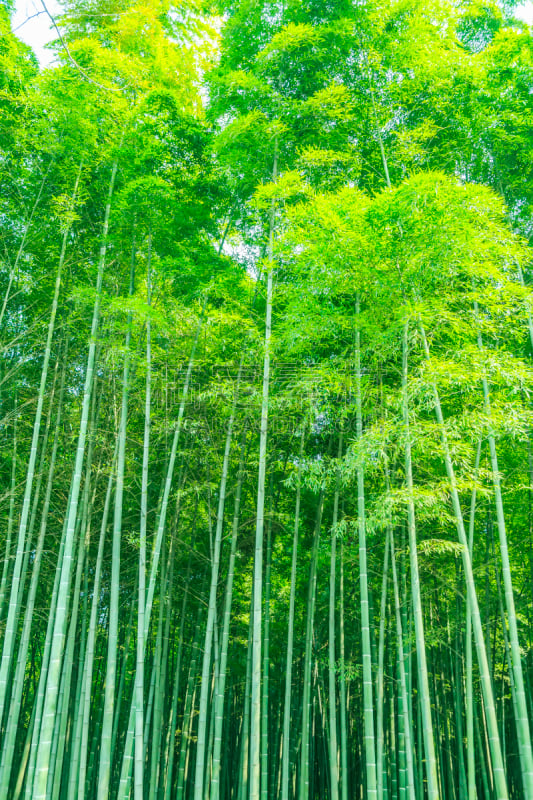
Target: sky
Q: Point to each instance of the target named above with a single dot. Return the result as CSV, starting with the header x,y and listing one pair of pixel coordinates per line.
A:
x,y
525,12
35,28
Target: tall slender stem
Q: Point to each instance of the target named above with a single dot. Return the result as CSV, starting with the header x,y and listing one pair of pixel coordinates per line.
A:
x,y
368,700
255,718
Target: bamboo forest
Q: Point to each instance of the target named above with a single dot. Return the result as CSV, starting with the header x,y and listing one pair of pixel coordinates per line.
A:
x,y
266,401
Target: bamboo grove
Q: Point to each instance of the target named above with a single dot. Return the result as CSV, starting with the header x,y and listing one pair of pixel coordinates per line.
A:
x,y
266,417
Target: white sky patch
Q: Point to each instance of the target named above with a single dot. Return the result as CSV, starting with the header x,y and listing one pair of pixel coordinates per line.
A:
x,y
33,25
525,12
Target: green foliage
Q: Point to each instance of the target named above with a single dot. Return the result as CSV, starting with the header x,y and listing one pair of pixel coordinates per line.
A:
x,y
374,156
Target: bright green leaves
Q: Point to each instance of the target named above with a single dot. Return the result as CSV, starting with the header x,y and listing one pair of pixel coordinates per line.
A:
x,y
17,63
292,86
290,38
251,136
479,23
424,250
505,129
128,49
331,103
288,186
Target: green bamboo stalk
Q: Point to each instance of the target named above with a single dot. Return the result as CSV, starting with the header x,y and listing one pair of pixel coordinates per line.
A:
x,y
156,553
488,697
402,761
258,566
160,688
8,749
342,682
62,350
244,780
522,722
73,758
200,770
286,745
14,604
469,689
171,747
158,751
11,517
211,738
91,640
420,751
266,655
507,659
25,756
332,689
186,725
393,750
380,680
60,730
307,682
255,716
139,669
104,774
368,702
126,653
221,684
63,706
157,680
407,727
457,696
58,641
425,699
57,716
320,723
92,759
484,764
41,689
